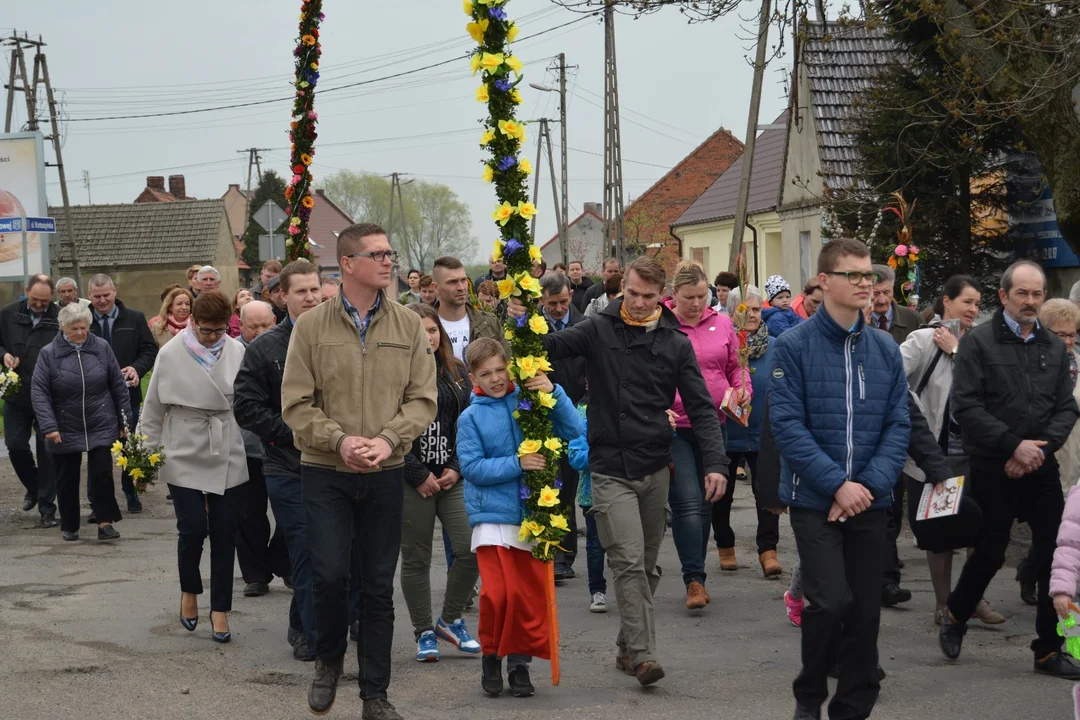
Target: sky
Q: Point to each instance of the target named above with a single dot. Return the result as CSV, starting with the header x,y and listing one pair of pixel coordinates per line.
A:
x,y
678,84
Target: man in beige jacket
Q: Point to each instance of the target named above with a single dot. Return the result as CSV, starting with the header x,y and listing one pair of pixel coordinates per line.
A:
x,y
358,388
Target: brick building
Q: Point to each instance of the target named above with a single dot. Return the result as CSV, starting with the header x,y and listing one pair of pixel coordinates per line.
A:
x,y
155,190
649,217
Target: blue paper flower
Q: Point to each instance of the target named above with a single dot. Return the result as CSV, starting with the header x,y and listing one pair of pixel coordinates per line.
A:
x,y
512,246
558,484
525,492
497,13
524,405
521,320
507,162
503,85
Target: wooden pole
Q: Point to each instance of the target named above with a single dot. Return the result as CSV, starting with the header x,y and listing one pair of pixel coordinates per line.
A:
x,y
553,622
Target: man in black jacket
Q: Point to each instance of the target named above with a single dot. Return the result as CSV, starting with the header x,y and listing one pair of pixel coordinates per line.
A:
x,y
26,326
570,374
127,332
579,284
257,406
1012,397
611,266
636,359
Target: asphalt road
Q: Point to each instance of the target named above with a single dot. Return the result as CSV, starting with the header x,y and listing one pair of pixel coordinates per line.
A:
x,y
90,630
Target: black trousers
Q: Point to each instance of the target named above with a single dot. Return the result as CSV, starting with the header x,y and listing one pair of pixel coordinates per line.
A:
x,y
99,477
1035,498
841,574
200,515
894,521
355,515
768,524
38,478
568,496
260,556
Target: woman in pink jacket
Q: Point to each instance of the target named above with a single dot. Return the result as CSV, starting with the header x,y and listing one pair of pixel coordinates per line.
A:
x,y
716,347
1066,568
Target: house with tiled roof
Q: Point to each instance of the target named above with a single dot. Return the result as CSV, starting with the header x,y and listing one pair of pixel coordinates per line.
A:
x,y
834,65
706,227
584,241
155,190
327,221
147,246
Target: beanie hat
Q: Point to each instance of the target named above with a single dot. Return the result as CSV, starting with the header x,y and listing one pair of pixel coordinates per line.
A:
x,y
776,285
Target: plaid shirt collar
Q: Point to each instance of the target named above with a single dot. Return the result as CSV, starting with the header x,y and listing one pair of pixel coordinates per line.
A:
x,y
362,321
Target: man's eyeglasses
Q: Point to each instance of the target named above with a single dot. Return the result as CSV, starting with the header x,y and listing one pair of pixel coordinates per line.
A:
x,y
1067,335
855,277
210,332
378,255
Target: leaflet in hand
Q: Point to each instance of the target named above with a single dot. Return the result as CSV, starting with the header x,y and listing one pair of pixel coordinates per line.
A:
x,y
942,500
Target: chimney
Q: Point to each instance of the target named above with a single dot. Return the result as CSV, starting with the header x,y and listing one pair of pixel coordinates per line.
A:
x,y
155,182
597,208
176,187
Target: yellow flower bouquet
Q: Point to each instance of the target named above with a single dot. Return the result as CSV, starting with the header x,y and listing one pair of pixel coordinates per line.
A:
x,y
9,383
141,463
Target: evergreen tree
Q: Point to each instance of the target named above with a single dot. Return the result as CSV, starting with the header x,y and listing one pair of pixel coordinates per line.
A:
x,y
271,187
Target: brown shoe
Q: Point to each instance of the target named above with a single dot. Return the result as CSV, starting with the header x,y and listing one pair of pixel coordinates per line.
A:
x,y
622,662
987,614
727,559
770,565
696,597
649,672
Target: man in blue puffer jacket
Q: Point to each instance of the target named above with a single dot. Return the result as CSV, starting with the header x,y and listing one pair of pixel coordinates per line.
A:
x,y
838,410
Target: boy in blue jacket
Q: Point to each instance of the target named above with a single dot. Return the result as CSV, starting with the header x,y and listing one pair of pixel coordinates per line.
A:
x,y
779,317
513,609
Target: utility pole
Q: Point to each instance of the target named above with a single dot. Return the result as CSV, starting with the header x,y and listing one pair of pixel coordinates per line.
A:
x,y
30,92
254,161
545,137
86,184
395,187
565,211
613,180
536,174
751,136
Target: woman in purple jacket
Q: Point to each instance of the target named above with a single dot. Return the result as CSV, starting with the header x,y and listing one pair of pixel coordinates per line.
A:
x,y
79,397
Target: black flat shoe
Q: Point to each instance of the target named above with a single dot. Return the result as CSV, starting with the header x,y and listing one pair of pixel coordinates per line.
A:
x,y
219,637
951,636
1059,665
49,521
29,502
70,535
108,532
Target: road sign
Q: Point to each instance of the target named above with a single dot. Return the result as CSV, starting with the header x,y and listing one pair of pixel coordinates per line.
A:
x,y
11,225
270,216
40,224
271,247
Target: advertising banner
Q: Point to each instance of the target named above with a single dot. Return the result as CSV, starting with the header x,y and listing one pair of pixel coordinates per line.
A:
x,y
22,195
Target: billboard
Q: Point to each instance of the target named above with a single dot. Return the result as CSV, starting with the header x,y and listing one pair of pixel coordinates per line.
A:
x,y
1032,217
22,194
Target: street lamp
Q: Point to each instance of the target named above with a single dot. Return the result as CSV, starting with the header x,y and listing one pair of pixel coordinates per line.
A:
x,y
541,88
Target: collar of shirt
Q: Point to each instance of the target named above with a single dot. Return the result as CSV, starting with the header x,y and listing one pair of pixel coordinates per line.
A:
x,y
361,322
1015,327
888,317
557,324
111,314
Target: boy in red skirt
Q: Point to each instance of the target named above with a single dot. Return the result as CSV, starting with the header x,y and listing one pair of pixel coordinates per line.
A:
x,y
513,613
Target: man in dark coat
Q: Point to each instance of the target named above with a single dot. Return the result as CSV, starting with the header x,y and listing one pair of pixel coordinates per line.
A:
x,y
1012,397
126,331
579,284
26,326
611,266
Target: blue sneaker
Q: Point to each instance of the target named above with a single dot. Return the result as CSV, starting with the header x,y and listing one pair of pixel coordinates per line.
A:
x,y
457,635
427,648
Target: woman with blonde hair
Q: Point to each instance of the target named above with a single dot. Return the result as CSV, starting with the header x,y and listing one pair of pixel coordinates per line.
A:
x,y
174,316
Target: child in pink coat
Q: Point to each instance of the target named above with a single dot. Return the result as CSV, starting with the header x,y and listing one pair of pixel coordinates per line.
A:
x,y
1066,569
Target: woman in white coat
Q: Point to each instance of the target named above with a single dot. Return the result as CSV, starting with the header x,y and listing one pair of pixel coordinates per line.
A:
x,y
188,410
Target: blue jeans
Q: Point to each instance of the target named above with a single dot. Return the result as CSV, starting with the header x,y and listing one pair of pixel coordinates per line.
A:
x,y
594,555
353,512
690,514
38,479
287,500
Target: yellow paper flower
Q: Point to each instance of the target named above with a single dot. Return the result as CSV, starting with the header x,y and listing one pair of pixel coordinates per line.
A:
x,y
482,93
305,158
553,444
136,474
535,254
487,137
506,288
497,251
474,63
512,32
547,399
12,375
467,4
154,459
558,522
742,308
530,285
529,528
308,40
525,166
476,30
527,367
513,63
549,497
489,175
121,461
490,62
508,335
538,325
515,96
529,447
509,128
544,365
526,210
117,447
503,213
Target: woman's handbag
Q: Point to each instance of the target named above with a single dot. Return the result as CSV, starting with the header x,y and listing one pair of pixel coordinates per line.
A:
x,y
946,533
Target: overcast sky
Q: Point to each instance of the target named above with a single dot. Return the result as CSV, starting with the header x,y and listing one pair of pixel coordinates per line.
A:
x,y
678,83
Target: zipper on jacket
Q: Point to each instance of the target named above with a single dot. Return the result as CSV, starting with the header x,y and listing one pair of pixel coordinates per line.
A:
x,y
849,350
794,485
86,433
862,383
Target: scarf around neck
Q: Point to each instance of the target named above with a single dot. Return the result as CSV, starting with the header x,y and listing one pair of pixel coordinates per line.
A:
x,y
205,356
758,343
174,326
648,323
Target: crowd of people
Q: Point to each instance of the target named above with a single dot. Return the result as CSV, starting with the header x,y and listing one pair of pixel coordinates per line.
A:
x,y
360,421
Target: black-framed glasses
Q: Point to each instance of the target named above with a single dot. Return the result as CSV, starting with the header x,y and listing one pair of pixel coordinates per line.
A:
x,y
210,332
378,255
856,277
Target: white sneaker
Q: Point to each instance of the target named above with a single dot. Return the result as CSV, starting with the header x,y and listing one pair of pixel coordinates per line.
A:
x,y
599,603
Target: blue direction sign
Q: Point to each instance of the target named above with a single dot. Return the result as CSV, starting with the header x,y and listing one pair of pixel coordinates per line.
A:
x,y
40,224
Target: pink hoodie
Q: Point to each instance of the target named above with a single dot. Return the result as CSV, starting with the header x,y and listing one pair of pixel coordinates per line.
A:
x,y
717,349
1066,568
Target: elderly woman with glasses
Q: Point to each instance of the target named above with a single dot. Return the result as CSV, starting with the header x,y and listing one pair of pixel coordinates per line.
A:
x,y
188,411
80,399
